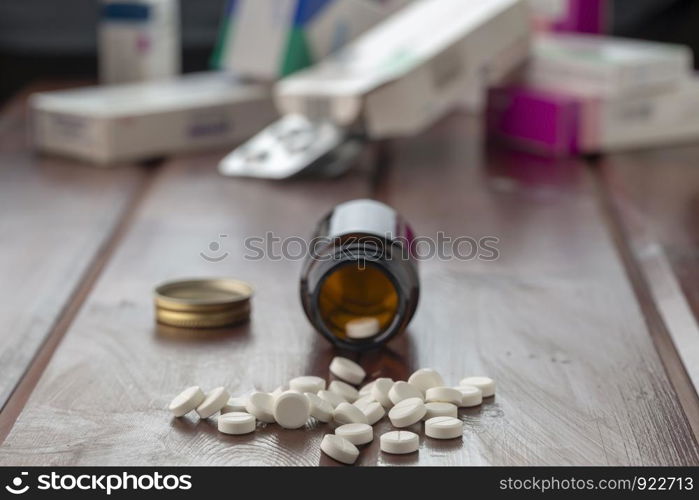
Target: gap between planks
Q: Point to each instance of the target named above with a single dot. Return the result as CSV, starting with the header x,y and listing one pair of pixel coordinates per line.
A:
x,y
659,329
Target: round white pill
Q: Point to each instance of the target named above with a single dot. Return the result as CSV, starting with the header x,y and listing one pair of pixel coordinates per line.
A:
x,y
331,397
186,401
470,396
347,370
444,395
345,390
307,383
362,328
261,405
485,384
363,401
402,390
374,412
399,442
426,378
380,391
356,434
235,404
407,413
366,389
444,428
320,409
292,409
213,402
437,409
338,448
347,413
236,423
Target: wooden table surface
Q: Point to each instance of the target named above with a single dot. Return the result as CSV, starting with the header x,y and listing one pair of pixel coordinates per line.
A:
x,y
587,337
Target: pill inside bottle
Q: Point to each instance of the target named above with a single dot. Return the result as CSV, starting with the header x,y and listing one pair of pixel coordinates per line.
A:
x,y
352,293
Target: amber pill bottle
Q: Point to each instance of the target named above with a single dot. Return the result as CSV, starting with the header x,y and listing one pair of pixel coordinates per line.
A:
x,y
360,265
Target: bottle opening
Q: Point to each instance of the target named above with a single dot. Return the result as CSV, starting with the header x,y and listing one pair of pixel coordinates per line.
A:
x,y
360,293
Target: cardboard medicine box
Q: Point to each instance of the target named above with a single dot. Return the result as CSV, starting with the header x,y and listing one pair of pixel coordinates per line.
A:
x,y
410,70
130,122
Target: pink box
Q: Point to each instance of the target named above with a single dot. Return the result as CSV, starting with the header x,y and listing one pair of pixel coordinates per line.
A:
x,y
535,120
553,123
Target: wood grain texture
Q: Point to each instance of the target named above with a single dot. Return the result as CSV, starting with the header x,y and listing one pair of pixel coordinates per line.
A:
x,y
653,199
102,397
55,218
661,188
554,320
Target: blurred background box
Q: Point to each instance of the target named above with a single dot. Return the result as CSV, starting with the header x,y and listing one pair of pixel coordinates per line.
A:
x,y
555,124
535,120
139,40
410,70
141,121
631,122
266,39
395,80
491,41
584,94
598,65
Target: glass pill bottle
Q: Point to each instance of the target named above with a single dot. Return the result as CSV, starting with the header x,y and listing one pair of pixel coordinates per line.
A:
x,y
359,284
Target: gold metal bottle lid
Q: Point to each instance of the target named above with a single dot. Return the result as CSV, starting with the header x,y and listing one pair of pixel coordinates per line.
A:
x,y
202,303
201,320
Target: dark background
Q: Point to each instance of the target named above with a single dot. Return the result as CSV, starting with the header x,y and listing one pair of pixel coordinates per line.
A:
x,y
57,38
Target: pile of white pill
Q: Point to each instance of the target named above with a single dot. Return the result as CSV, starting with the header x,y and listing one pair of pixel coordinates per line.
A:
x,y
423,397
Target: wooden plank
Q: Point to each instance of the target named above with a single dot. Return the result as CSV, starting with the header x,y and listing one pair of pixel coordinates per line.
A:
x,y
653,196
56,218
661,189
554,320
102,397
